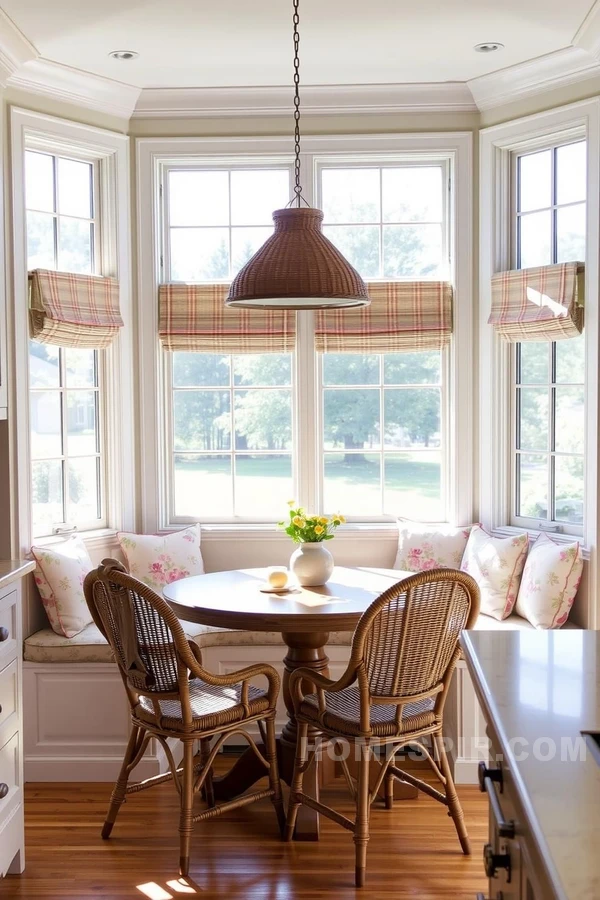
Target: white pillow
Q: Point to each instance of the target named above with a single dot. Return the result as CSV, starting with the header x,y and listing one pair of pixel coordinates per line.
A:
x,y
496,565
422,547
550,580
160,559
59,575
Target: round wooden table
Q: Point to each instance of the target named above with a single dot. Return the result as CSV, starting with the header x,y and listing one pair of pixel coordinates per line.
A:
x,y
305,617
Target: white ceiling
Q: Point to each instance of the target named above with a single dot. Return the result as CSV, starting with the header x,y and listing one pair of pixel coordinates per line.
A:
x,y
194,43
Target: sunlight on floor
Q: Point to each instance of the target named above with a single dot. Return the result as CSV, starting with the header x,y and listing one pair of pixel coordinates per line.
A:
x,y
154,891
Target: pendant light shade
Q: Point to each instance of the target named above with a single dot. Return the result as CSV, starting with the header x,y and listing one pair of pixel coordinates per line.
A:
x,y
298,268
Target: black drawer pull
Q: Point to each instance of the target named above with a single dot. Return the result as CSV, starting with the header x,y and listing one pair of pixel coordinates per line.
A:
x,y
4,635
494,861
3,790
487,778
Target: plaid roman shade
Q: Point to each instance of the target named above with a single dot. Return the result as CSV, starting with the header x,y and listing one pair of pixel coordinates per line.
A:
x,y
541,304
194,317
404,316
71,310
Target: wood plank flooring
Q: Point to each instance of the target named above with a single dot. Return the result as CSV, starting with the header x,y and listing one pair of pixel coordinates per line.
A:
x,y
413,853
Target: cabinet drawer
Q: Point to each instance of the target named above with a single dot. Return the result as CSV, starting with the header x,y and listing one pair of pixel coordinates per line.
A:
x,y
8,627
9,701
9,775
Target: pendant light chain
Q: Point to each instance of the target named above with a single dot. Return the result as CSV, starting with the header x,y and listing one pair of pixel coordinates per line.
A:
x,y
297,186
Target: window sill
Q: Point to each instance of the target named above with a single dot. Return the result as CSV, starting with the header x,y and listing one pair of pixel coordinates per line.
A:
x,y
367,531
558,538
95,539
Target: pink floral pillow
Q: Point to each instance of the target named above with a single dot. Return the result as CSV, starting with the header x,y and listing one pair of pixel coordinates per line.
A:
x,y
59,575
496,564
550,580
422,547
160,559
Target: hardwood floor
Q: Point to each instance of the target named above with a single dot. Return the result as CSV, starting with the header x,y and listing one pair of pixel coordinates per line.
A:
x,y
413,853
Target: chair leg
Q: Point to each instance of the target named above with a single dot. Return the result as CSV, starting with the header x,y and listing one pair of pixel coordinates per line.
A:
x,y
363,808
454,807
389,790
120,788
187,798
298,777
274,782
208,788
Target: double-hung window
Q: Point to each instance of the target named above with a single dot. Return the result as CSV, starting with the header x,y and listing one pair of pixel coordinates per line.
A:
x,y
67,443
548,409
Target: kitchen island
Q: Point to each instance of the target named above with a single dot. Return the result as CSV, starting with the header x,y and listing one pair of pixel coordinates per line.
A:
x,y
538,692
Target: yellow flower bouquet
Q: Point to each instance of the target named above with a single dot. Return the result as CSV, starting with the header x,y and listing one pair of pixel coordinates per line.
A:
x,y
305,529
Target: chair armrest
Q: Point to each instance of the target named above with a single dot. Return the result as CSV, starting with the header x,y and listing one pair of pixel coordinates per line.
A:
x,y
320,682
242,676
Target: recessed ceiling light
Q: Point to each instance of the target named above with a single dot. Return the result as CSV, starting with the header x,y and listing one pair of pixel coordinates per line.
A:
x,y
123,54
488,47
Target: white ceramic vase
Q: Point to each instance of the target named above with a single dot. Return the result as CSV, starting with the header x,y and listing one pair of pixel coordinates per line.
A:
x,y
311,564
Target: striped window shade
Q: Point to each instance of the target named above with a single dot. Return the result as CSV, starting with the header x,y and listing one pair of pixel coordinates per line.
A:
x,y
71,310
540,304
404,316
194,317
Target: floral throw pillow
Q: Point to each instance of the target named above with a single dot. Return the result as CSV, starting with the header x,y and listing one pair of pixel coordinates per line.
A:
x,y
550,580
59,574
496,564
422,547
160,559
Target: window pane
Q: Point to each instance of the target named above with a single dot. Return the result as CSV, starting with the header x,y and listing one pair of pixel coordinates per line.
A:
x,y
359,244
535,243
44,370
570,360
200,369
263,369
84,499
413,485
571,173
351,195
198,198
202,420
263,420
74,188
568,474
256,193
350,368
352,483
535,181
412,194
412,418
262,484
74,245
534,359
534,421
351,419
81,367
82,436
47,484
244,244
570,233
412,368
40,241
532,480
203,486
412,250
570,422
46,434
199,254
39,181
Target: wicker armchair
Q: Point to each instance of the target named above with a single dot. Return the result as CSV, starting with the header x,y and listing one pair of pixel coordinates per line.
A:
x,y
404,652
172,696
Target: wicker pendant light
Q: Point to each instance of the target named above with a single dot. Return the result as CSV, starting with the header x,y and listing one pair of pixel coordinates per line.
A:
x,y
297,267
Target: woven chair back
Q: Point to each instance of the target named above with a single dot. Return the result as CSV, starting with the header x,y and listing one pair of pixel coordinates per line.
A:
x,y
408,639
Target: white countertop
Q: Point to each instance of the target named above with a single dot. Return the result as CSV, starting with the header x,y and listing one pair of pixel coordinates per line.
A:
x,y
11,569
538,690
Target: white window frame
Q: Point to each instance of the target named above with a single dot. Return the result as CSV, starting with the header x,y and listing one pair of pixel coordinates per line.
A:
x,y
498,145
152,153
110,151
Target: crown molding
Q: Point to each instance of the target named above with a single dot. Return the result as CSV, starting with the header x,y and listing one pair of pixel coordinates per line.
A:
x,y
319,100
563,67
15,49
588,34
41,76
